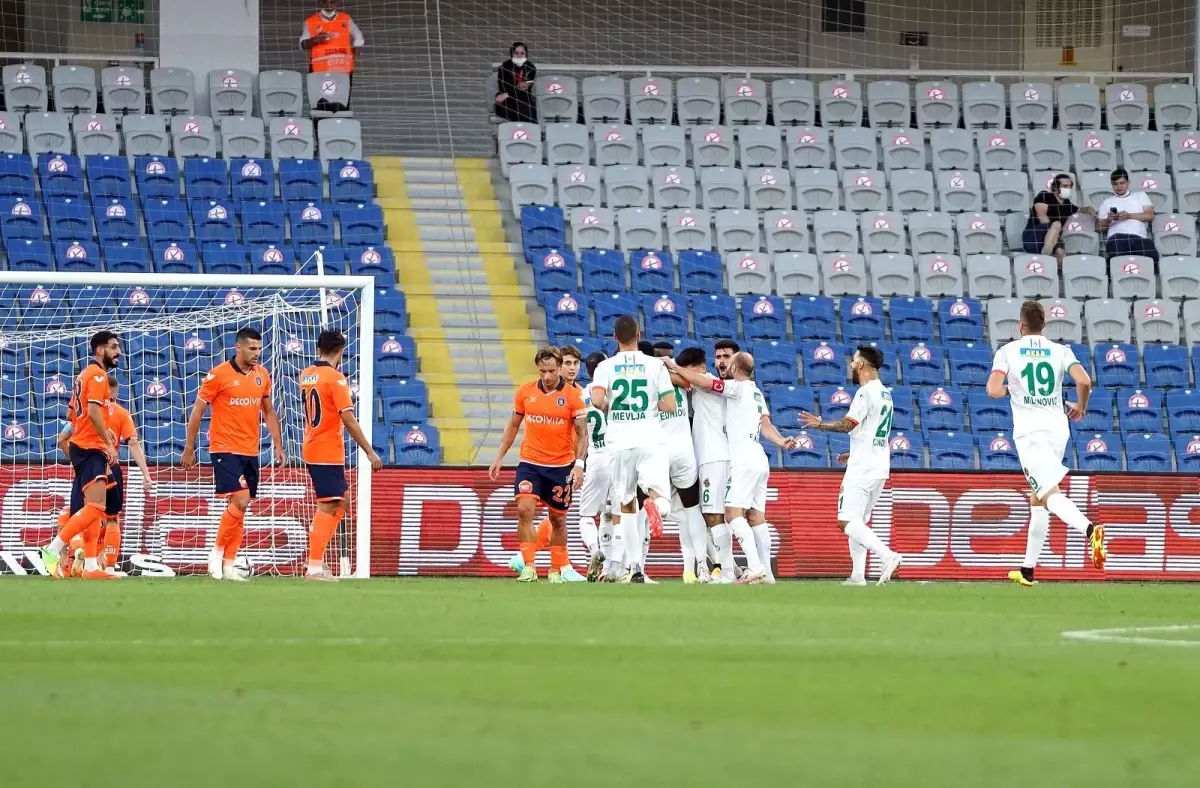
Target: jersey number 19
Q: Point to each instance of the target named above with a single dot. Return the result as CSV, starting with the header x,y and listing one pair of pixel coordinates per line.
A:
x,y
1039,378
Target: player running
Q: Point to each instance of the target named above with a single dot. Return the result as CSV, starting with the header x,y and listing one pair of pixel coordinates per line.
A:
x,y
868,463
239,391
552,459
1034,367
328,410
92,454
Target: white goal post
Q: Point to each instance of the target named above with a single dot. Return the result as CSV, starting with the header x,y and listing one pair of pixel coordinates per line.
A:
x,y
173,329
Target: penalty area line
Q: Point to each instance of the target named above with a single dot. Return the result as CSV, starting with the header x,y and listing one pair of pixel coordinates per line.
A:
x,y
1139,636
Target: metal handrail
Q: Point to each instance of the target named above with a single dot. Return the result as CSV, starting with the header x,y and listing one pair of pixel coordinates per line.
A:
x,y
57,58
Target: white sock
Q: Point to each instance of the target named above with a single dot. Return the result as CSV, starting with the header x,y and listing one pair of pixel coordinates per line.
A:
x,y
745,537
314,567
685,546
588,532
714,555
858,560
1065,509
858,531
663,506
646,547
632,537
696,533
90,565
723,539
56,545
227,563
1039,526
762,540
606,535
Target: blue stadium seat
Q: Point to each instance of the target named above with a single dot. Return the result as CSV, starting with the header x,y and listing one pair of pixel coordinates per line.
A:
x,y
391,311
55,392
787,402
127,257
78,256
29,256
205,179
1140,410
586,344
824,363
1100,411
52,358
160,400
163,443
215,221
362,224
381,442
172,257
666,316
333,259
904,409
21,219
69,219
166,220
98,302
272,259
108,177
1183,411
542,227
157,178
21,440
1187,453
912,319
554,270
603,270
300,180
652,271
223,258
16,394
312,222
1147,453
117,219
908,450
775,363
941,409
987,414
1167,366
417,445
715,317
263,222
351,180
16,176
951,451
1116,365
701,272
763,317
960,320
196,351
862,320
812,451
251,179
60,175
609,307
1099,452
835,401
970,364
376,261
1083,354
813,319
997,453
40,305
568,313
922,365
395,357
404,402
139,302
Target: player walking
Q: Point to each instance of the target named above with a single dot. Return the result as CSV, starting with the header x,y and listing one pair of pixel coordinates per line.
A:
x,y
328,410
239,391
552,459
868,464
1035,367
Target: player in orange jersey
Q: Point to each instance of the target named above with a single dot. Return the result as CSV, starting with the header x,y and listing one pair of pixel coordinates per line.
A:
x,y
328,409
552,457
92,452
239,392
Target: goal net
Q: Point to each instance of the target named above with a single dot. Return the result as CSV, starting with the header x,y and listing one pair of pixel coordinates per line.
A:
x,y
172,332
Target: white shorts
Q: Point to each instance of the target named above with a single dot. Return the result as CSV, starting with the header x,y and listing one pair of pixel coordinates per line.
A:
x,y
714,478
681,464
597,483
1041,456
857,499
747,488
645,467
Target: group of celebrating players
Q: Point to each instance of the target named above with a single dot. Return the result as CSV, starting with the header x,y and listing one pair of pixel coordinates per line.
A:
x,y
657,436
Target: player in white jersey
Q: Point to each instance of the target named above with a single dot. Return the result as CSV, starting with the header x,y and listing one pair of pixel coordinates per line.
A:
x,y
1035,368
712,450
746,419
597,482
632,389
868,463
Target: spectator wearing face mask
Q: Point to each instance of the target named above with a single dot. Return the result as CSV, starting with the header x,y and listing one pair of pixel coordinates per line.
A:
x,y
515,102
1127,217
1051,209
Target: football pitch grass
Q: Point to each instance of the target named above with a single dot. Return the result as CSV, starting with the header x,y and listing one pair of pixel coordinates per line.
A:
x,y
489,683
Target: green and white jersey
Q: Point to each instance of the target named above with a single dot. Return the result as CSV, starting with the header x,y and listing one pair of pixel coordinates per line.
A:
x,y
1035,368
633,383
597,426
870,446
677,427
744,409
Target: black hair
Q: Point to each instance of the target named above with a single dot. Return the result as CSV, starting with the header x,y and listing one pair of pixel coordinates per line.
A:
x,y
691,357
1119,173
592,361
872,355
514,46
330,342
645,347
100,339
248,333
1060,176
663,344
727,344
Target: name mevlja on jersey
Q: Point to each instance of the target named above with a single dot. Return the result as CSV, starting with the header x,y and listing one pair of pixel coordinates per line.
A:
x,y
870,450
1035,368
633,382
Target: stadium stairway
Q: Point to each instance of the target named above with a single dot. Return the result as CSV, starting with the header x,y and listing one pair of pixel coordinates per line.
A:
x,y
467,305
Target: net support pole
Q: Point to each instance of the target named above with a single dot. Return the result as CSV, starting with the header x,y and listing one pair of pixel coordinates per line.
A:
x,y
1196,46
366,419
320,258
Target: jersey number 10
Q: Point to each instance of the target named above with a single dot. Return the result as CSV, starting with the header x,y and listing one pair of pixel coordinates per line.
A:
x,y
312,408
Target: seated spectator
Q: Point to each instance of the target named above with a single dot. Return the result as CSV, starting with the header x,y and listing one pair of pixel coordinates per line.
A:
x,y
515,102
1051,208
1127,217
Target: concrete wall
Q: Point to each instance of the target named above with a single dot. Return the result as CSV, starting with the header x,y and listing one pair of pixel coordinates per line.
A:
x,y
54,26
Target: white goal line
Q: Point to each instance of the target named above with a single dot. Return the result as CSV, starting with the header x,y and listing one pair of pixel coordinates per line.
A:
x,y
1136,635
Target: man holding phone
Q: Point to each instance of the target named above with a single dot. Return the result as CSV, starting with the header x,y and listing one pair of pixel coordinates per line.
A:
x,y
1127,216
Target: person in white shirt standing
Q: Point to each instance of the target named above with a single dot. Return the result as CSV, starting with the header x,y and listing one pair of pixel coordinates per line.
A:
x,y
597,481
633,389
868,464
1127,217
1034,368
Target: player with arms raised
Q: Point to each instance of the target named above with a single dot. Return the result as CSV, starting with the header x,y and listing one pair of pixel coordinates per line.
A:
x,y
1034,368
328,410
239,392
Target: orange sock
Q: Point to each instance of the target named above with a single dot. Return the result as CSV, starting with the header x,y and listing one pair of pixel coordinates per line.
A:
x,y
63,518
543,534
91,539
323,526
82,520
112,542
229,533
558,557
529,553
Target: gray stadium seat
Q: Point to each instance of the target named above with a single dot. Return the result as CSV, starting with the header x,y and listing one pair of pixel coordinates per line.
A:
x,y
1157,186
1094,151
48,132
97,135
1143,150
698,101
844,274
1035,276
1048,150
1079,235
912,190
146,135
124,90
809,147
1191,323
579,184
567,143
835,231
978,233
892,275
903,149
664,146
1007,191
937,105
603,99
786,231
952,149
745,101
557,98
689,229
1132,277
281,93
195,135
519,143
1014,229
1179,277
769,188
1064,320
889,104
1175,234
748,273
328,94
793,102
1003,320
173,91
627,187
796,273
337,138
817,189
639,228
1084,277
615,144
1095,188
855,148
864,190
1185,151
983,105
651,101
1175,106
74,89
11,138
291,138
530,184
231,92
841,102
593,228
1187,191
712,146
722,187
25,88
1108,321
882,233
1000,150
1158,321
989,276
940,275
959,190
1031,105
674,187
736,230
931,233
760,146
246,137
1079,106
1128,106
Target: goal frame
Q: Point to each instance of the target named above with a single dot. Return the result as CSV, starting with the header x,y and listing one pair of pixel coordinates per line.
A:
x,y
365,405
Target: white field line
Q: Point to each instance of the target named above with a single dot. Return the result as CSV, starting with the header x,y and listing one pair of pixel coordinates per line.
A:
x,y
1140,636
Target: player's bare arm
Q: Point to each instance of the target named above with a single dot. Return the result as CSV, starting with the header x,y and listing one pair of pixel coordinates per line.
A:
x,y
811,421
96,417
188,460
139,458
701,380
355,430
600,398
272,420
63,441
995,385
581,449
666,402
1083,389
506,441
771,433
